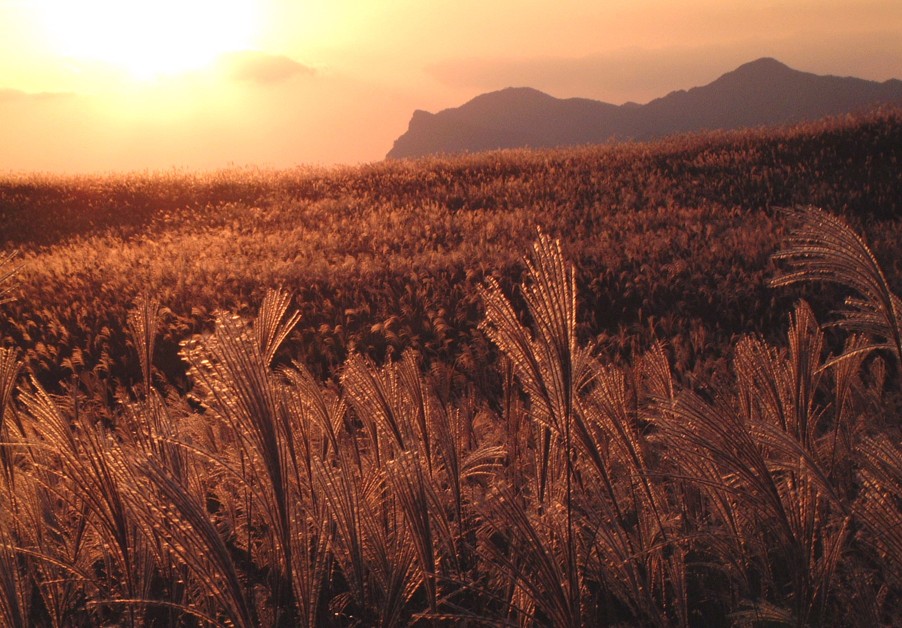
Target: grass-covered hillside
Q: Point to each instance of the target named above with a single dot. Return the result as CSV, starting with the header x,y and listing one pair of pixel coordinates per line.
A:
x,y
672,236
569,387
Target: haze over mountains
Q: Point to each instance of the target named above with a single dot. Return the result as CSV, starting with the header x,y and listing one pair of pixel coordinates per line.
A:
x,y
762,92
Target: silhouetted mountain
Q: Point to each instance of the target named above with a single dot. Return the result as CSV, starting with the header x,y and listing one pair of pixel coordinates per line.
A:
x,y
763,92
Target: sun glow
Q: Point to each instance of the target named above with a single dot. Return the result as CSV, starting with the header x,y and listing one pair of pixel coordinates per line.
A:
x,y
153,37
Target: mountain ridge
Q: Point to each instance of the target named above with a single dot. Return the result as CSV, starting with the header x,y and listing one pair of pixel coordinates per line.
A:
x,y
763,92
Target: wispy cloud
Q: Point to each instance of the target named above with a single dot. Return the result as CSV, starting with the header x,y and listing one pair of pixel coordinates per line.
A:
x,y
260,67
16,95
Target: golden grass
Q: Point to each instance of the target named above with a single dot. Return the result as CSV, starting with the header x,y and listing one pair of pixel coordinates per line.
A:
x,y
564,488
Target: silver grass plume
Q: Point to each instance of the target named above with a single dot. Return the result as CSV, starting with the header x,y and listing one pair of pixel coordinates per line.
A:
x,y
824,248
143,323
552,368
7,272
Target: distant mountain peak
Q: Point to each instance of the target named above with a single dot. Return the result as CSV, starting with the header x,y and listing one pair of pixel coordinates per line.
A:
x,y
761,70
760,92
763,64
511,96
521,91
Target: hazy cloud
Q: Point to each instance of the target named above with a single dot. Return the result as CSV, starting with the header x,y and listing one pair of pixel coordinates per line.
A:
x,y
16,95
204,124
259,67
645,74
636,75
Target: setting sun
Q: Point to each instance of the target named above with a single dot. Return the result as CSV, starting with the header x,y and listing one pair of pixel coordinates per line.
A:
x,y
148,39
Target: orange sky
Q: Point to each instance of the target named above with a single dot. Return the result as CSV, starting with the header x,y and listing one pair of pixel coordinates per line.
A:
x,y
100,85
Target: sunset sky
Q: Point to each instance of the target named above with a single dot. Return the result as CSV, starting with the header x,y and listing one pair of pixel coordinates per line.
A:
x,y
101,85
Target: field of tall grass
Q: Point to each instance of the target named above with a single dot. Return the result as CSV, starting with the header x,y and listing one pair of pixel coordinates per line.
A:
x,y
640,384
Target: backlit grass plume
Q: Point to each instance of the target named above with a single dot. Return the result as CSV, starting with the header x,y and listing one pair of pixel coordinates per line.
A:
x,y
823,247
